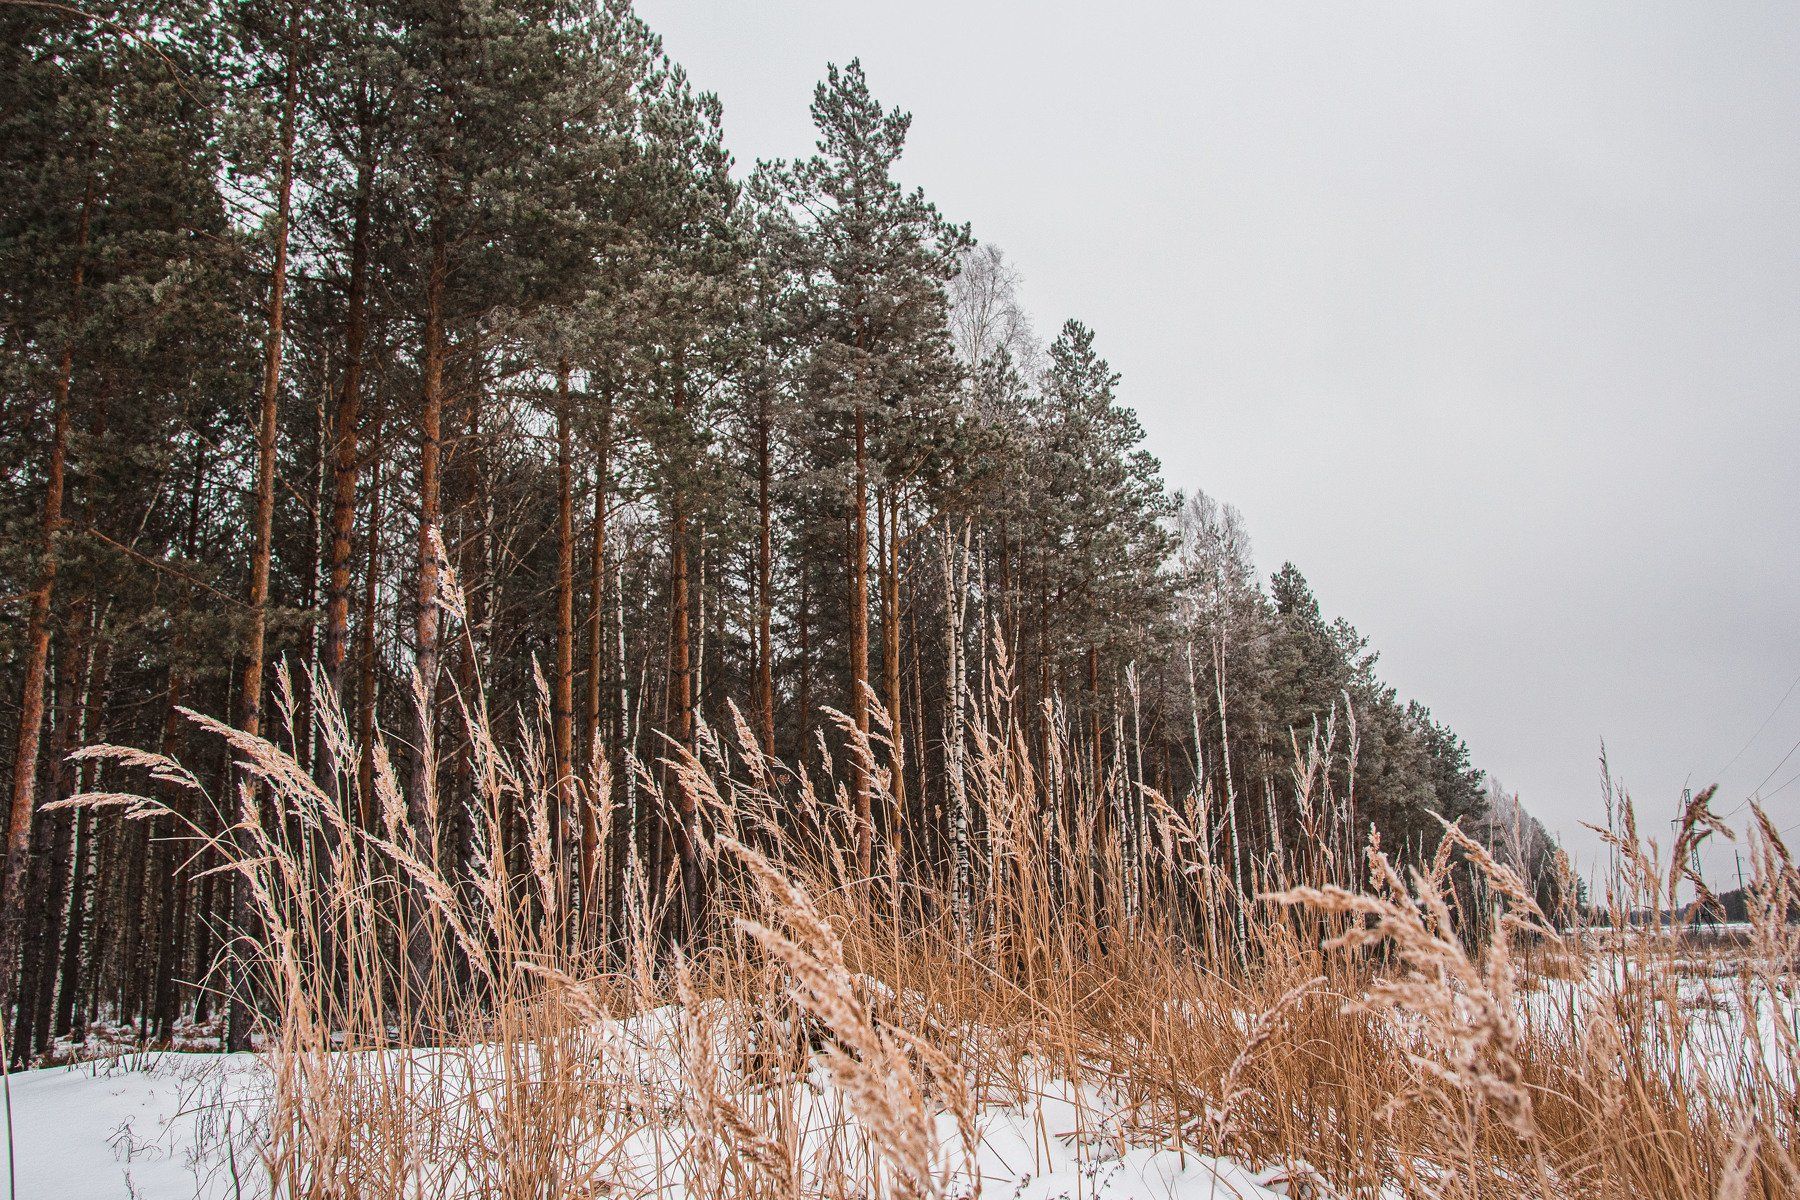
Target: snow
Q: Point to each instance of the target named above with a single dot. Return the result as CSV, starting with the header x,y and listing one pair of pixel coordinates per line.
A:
x,y
1729,1023
171,1126
159,1126
1065,1141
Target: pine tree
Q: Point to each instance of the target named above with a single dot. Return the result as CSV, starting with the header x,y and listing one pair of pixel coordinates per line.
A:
x,y
875,260
1100,539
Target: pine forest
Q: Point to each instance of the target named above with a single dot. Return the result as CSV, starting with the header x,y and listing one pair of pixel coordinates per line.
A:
x,y
485,567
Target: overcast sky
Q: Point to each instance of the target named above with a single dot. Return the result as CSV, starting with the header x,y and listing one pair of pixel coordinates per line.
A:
x,y
1486,316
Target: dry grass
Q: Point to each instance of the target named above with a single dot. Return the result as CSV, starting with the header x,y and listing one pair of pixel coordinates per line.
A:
x,y
468,1031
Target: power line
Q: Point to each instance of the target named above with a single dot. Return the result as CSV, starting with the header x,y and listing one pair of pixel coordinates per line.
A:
x,y
1760,729
1780,787
1750,741
1765,779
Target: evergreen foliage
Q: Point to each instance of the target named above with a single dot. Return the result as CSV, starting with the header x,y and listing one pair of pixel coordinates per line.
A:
x,y
564,397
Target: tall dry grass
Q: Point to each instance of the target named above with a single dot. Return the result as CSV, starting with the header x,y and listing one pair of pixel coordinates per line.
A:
x,y
470,1029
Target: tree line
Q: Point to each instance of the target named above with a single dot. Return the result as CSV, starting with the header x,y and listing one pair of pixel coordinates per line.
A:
x,y
402,355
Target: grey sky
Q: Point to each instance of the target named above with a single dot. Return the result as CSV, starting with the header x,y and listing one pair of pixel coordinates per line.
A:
x,y
1487,316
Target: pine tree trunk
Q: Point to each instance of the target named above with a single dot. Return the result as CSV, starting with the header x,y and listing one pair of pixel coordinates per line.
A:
x,y
1094,733
84,704
1044,681
100,862
421,798
207,916
697,689
75,928
765,576
474,563
135,934
215,902
367,650
37,640
594,724
922,818
681,699
1005,588
36,1001
251,687
34,930
167,863
431,418
306,739
803,700
345,462
455,806
595,734
177,886
50,867
859,648
956,590
563,692
625,827
890,648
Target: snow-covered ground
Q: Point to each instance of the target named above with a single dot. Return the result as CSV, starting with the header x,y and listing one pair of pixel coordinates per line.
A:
x,y
160,1126
1712,1014
173,1126
176,1126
